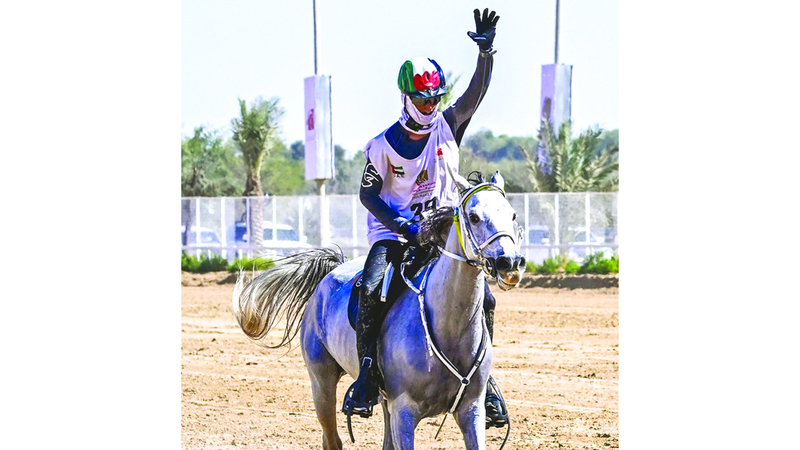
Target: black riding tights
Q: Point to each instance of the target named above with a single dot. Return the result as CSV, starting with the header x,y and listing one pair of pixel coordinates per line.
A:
x,y
371,309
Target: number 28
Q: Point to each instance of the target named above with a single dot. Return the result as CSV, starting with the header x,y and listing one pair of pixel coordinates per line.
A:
x,y
419,207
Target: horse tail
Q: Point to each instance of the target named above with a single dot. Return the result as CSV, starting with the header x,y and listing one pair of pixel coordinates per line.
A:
x,y
281,291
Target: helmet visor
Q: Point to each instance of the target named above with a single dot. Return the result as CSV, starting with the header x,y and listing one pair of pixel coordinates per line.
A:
x,y
420,102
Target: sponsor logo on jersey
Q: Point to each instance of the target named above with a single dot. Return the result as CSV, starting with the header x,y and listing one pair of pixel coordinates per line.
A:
x,y
370,177
423,176
398,171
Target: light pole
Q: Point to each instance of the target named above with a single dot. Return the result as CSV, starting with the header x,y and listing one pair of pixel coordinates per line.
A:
x,y
318,143
314,7
558,7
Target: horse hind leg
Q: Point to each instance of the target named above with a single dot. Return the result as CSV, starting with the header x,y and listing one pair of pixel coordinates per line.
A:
x,y
325,374
387,427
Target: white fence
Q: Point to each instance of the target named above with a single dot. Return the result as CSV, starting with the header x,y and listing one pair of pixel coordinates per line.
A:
x,y
553,222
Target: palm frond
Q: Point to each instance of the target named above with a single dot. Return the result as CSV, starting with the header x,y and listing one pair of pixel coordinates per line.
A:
x,y
577,164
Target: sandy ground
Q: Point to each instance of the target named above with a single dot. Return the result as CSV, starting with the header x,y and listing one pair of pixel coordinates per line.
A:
x,y
556,359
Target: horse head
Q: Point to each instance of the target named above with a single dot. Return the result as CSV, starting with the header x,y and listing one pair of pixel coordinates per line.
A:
x,y
487,229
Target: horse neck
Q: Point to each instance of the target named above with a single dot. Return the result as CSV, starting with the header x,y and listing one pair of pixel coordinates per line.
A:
x,y
453,298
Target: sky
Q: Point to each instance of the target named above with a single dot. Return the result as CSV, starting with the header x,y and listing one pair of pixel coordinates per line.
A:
x,y
247,49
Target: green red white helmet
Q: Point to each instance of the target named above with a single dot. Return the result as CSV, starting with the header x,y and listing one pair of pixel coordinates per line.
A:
x,y
421,78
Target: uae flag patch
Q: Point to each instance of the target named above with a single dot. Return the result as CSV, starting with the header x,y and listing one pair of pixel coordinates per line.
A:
x,y
398,171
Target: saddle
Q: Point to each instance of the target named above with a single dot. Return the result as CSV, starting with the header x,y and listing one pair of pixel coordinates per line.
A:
x,y
414,259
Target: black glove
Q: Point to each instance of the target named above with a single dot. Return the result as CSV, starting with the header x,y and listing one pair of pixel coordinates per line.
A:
x,y
484,29
409,231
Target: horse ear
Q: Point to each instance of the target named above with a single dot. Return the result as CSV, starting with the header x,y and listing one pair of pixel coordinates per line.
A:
x,y
498,180
460,181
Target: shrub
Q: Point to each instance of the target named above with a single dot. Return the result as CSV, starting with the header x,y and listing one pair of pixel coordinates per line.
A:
x,y
571,267
250,264
203,264
189,263
549,265
613,264
553,265
598,263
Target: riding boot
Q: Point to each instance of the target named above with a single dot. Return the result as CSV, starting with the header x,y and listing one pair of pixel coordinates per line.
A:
x,y
496,411
363,393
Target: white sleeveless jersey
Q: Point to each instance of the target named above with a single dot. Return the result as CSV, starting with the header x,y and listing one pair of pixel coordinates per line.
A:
x,y
411,186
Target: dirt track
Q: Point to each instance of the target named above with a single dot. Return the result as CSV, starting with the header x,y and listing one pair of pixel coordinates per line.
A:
x,y
556,360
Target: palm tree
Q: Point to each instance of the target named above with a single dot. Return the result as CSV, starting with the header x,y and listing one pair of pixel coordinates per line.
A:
x,y
254,134
568,164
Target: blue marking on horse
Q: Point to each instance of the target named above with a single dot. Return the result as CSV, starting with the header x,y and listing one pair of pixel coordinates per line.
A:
x,y
312,291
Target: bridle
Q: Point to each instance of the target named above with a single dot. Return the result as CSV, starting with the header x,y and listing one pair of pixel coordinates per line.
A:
x,y
472,250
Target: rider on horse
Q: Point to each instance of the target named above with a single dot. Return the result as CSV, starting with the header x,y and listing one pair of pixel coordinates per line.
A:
x,y
405,174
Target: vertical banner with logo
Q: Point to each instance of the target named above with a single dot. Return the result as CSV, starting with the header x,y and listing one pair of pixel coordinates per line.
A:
x,y
556,93
556,103
319,140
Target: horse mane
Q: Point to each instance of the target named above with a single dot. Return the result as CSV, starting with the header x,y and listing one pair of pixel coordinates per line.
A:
x,y
435,226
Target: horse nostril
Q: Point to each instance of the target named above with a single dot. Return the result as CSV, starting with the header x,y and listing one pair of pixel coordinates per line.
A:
x,y
521,262
503,264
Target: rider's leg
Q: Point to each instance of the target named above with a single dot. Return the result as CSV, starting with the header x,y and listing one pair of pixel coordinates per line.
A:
x,y
368,325
496,411
489,304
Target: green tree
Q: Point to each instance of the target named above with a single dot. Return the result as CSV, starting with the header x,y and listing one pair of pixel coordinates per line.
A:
x,y
347,171
255,132
283,174
209,166
494,148
568,164
298,149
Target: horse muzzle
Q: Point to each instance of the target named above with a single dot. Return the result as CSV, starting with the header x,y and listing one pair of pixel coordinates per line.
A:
x,y
506,270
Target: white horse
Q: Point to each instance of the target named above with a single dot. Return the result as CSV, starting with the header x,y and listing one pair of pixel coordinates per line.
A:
x,y
433,348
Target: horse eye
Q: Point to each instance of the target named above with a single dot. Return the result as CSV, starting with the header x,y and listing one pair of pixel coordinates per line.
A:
x,y
515,217
474,218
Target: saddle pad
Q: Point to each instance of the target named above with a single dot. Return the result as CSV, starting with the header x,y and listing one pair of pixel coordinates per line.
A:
x,y
352,305
415,261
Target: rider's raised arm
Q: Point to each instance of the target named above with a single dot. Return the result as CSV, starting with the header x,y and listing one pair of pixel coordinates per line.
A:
x,y
459,115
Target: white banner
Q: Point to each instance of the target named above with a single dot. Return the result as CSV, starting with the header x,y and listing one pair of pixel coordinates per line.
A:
x,y
319,140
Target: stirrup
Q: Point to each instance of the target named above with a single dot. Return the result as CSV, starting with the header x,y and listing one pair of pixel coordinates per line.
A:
x,y
496,411
358,407
350,406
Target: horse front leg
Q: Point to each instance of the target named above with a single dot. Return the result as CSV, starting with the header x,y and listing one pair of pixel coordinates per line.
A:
x,y
471,419
404,417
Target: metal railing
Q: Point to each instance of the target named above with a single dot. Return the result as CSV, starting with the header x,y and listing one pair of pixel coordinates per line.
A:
x,y
553,222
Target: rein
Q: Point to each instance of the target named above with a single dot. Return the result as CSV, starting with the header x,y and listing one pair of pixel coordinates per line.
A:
x,y
479,356
481,353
